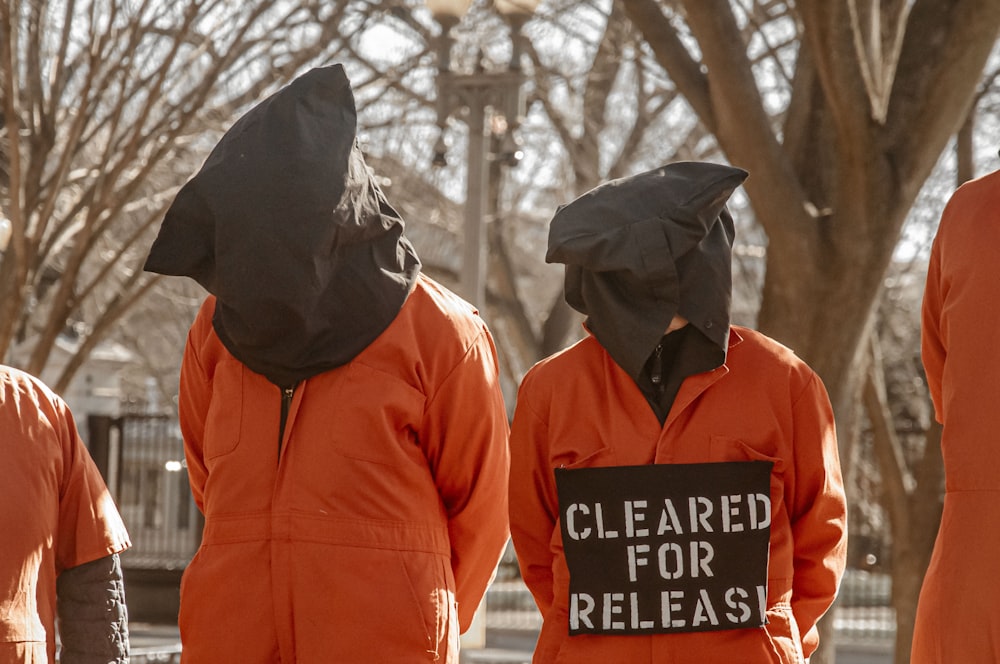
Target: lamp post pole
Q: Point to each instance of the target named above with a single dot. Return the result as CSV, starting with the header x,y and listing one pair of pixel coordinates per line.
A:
x,y
473,276
481,94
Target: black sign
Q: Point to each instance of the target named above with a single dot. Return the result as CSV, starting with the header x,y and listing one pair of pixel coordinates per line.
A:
x,y
666,547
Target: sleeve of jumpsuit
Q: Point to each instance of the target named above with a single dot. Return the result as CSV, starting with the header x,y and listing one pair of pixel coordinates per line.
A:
x,y
818,512
932,334
193,400
532,491
464,435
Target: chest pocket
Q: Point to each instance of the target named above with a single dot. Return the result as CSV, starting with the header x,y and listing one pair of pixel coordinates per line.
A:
x,y
581,453
224,419
725,448
375,416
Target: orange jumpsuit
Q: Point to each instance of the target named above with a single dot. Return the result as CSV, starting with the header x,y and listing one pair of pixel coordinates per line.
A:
x,y
371,530
957,615
55,513
579,409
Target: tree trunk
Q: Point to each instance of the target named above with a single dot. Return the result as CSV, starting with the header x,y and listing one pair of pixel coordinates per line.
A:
x,y
907,576
912,550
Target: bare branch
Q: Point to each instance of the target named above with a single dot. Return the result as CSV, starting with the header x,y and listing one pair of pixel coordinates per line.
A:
x,y
115,310
888,452
674,57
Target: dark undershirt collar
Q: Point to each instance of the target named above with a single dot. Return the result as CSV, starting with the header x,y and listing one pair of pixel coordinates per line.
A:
x,y
682,353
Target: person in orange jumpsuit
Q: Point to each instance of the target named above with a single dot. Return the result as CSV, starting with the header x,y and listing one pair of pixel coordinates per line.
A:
x,y
675,489
957,616
61,536
344,428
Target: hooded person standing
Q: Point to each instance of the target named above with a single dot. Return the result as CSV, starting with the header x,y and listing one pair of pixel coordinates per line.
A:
x,y
344,428
957,615
675,490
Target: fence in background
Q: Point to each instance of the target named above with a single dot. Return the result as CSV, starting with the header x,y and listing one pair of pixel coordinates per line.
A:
x,y
864,612
143,463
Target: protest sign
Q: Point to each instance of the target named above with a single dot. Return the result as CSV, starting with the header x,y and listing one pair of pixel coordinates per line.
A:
x,y
666,547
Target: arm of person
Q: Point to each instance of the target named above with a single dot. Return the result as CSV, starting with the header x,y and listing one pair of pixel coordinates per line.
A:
x,y
90,593
533,500
194,398
464,434
818,512
93,621
932,342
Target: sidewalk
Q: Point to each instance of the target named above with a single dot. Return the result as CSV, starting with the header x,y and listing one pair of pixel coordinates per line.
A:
x,y
864,653
161,644
154,643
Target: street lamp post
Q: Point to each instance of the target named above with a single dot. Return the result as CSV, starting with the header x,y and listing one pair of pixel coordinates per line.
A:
x,y
493,99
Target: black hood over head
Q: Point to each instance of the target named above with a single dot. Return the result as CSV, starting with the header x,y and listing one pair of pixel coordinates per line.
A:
x,y
641,249
287,227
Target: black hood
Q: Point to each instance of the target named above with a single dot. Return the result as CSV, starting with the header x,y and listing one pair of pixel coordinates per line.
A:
x,y
641,249
286,226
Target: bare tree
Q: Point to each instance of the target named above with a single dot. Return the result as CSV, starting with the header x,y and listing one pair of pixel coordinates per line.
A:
x,y
105,107
108,106
872,98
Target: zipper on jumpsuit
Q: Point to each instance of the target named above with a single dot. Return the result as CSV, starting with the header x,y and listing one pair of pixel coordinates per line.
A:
x,y
287,393
281,558
656,371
